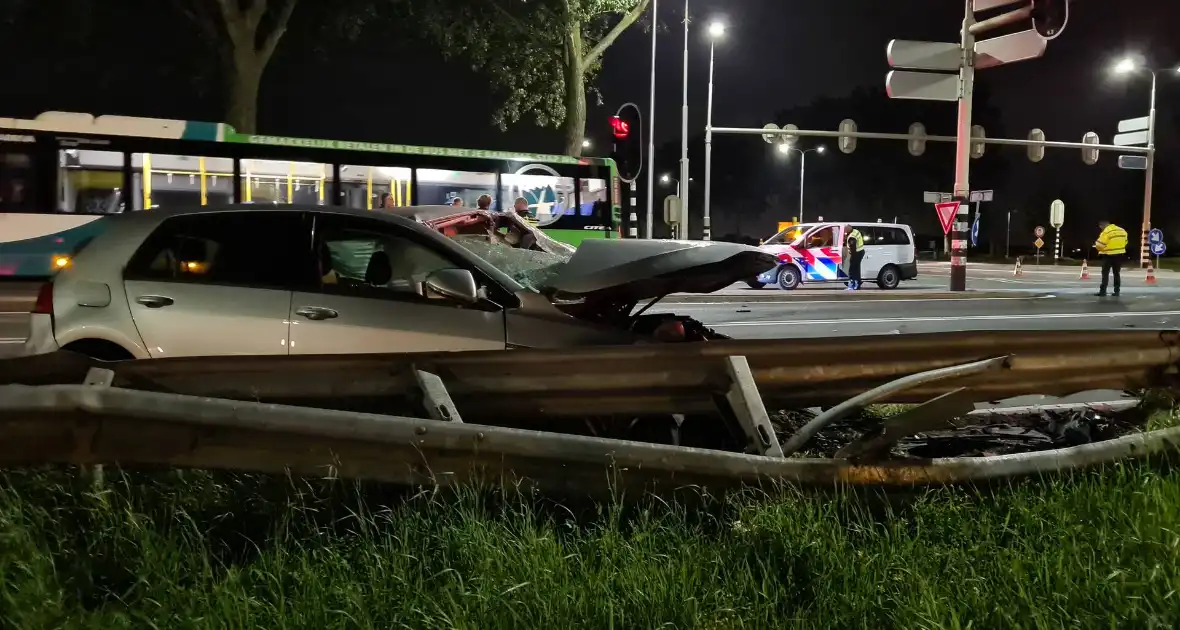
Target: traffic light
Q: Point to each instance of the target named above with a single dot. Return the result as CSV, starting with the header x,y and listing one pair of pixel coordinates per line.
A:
x,y
1049,17
627,149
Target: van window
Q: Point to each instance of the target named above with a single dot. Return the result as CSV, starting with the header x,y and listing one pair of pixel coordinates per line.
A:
x,y
888,236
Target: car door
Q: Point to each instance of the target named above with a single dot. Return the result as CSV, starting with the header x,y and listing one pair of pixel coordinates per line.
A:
x,y
217,283
876,254
819,256
370,297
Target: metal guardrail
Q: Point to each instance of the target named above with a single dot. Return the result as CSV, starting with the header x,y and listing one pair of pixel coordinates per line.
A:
x,y
487,387
95,424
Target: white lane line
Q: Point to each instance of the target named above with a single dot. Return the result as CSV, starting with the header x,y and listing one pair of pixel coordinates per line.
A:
x,y
902,320
11,340
794,301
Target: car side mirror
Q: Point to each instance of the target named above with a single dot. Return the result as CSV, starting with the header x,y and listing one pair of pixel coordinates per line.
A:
x,y
453,284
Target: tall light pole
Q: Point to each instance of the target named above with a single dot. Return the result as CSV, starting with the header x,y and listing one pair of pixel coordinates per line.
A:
x,y
651,121
785,149
684,135
716,30
668,179
1130,65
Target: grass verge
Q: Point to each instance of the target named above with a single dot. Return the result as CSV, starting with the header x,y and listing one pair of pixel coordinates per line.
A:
x,y
203,550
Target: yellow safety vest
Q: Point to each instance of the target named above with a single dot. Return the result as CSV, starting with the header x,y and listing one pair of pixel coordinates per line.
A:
x,y
1112,240
860,239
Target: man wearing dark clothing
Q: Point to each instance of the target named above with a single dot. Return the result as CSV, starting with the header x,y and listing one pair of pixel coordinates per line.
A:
x,y
856,250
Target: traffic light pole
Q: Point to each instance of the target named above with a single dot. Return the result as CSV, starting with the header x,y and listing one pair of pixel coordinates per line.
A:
x,y
962,189
651,125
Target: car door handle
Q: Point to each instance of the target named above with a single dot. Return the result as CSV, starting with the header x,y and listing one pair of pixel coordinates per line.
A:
x,y
154,301
317,313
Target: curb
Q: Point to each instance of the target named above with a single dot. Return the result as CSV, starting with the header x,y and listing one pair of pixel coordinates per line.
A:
x,y
779,297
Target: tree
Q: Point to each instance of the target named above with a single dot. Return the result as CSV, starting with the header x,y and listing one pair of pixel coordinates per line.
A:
x,y
544,54
244,34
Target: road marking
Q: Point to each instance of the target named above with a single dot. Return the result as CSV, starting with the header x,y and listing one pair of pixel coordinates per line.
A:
x,y
794,301
901,320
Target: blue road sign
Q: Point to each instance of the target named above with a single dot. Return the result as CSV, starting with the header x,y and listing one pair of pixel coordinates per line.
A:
x,y
1158,248
975,230
1156,235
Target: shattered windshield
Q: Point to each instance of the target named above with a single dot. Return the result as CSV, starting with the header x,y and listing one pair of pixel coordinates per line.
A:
x,y
529,267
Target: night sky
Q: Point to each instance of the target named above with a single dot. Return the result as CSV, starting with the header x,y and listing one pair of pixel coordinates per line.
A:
x,y
136,58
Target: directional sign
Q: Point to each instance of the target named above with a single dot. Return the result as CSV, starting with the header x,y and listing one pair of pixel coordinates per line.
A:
x,y
922,86
1057,213
904,53
1158,249
946,214
1156,235
981,195
1134,124
1133,162
1039,232
1130,139
1009,49
1039,243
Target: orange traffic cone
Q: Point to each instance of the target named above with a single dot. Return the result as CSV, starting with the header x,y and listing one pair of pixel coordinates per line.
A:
x,y
1150,273
1085,270
1017,271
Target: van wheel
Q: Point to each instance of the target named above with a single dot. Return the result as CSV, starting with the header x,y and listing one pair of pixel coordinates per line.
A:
x,y
788,277
99,349
754,284
889,277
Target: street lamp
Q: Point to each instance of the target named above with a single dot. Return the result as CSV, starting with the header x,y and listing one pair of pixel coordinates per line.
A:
x,y
666,179
1131,65
716,31
586,143
785,149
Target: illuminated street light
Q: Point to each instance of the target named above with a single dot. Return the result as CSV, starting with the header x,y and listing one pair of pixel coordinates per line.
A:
x,y
785,150
716,31
1126,65
586,143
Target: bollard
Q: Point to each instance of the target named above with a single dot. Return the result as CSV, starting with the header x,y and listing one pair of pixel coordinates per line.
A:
x,y
1150,273
1085,271
1017,271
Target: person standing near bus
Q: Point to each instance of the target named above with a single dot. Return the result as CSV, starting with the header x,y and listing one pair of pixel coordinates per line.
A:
x,y
521,207
1111,246
484,202
856,249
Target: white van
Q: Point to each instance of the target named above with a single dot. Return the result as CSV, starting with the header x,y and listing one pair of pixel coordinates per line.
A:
x,y
812,252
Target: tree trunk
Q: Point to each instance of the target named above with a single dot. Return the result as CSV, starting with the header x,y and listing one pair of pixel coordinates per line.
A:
x,y
244,79
575,109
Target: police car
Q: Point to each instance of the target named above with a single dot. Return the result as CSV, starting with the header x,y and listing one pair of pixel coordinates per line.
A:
x,y
813,252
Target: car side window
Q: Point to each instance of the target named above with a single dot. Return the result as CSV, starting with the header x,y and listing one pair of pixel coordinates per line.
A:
x,y
822,238
371,259
247,249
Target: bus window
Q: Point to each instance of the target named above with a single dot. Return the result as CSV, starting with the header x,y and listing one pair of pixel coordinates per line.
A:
x,y
282,181
91,182
180,181
441,188
371,187
593,191
549,198
16,181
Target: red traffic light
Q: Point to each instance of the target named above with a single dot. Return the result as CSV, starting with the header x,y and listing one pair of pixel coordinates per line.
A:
x,y
621,128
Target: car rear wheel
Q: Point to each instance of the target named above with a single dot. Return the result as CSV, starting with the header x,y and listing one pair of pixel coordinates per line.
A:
x,y
754,284
889,277
788,277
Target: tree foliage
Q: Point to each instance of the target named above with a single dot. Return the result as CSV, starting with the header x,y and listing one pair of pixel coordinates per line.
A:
x,y
543,55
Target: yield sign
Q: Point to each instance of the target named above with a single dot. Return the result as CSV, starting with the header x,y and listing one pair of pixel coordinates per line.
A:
x,y
946,214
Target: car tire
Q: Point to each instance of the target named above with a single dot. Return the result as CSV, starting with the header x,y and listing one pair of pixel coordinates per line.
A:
x,y
889,277
754,284
99,349
789,277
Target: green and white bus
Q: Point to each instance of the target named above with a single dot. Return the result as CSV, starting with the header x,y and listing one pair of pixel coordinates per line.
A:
x,y
61,172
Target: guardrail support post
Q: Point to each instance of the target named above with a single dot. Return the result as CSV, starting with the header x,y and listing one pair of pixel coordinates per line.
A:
x,y
746,403
97,377
435,397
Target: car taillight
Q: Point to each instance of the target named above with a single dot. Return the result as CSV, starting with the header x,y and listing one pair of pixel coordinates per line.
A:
x,y
44,303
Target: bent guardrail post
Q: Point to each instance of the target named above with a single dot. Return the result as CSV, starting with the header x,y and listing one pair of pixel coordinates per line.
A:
x,y
436,398
929,416
745,403
808,431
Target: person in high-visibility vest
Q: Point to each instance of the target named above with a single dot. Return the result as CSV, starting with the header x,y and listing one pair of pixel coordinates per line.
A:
x,y
856,249
1112,247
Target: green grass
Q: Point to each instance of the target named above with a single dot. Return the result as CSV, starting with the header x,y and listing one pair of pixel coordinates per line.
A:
x,y
202,550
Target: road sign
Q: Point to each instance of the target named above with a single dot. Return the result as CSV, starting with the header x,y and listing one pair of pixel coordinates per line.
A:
x,y
1039,232
917,142
672,209
1039,243
1036,153
1090,156
1134,124
1011,48
922,86
1156,235
935,197
847,143
905,53
770,138
946,214
981,195
1133,162
1158,249
1057,214
1130,139
975,229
